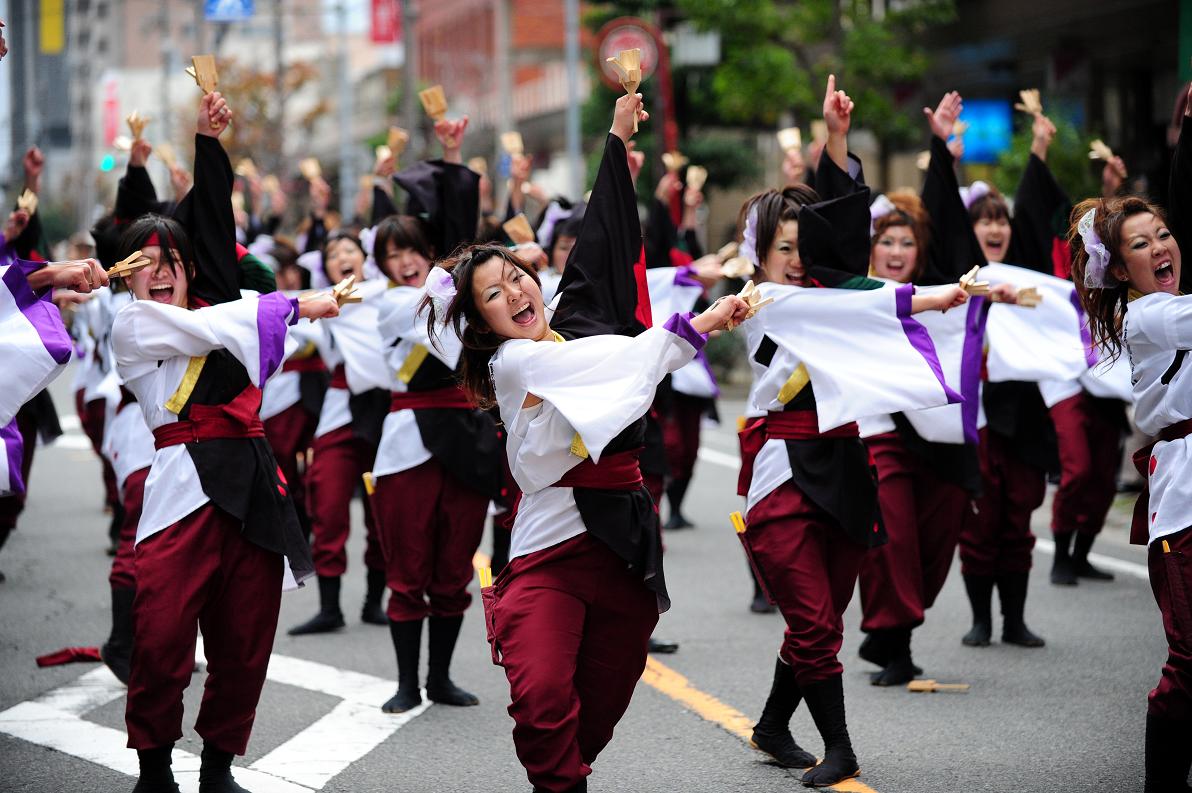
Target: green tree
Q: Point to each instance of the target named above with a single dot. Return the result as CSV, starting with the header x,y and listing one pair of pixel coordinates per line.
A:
x,y
1067,158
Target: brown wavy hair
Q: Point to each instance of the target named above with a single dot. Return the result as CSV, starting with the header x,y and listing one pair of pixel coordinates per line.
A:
x,y
909,212
1105,307
991,206
774,207
463,317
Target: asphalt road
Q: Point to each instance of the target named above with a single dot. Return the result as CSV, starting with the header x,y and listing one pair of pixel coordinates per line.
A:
x,y
1068,717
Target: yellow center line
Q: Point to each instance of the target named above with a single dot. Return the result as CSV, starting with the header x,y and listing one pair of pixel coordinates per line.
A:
x,y
674,685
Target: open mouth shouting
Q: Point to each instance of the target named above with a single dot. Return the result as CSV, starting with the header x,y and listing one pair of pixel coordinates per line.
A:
x,y
525,316
1165,274
162,292
410,276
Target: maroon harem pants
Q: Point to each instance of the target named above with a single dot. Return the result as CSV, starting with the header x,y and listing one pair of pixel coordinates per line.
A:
x,y
290,434
201,573
1171,582
810,569
1089,450
572,626
92,417
124,574
680,432
429,525
998,539
923,515
338,462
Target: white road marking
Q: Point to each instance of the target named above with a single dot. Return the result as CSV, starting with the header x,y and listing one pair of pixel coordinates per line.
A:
x,y
304,763
1113,564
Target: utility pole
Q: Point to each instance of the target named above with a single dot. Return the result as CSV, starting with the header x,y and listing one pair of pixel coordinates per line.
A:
x,y
575,162
347,112
167,71
279,80
503,120
409,89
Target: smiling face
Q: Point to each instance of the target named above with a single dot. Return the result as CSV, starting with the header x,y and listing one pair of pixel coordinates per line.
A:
x,y
509,300
344,258
405,266
1150,255
782,264
558,257
895,254
993,234
161,281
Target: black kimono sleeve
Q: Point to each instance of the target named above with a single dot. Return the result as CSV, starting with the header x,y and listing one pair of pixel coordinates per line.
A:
x,y
953,249
660,234
382,206
1036,202
1179,200
446,197
206,214
598,291
831,181
316,235
31,239
135,195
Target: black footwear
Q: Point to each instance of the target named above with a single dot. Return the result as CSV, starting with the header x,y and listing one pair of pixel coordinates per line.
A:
x,y
663,646
1011,590
825,700
444,631
329,618
760,603
980,595
1080,559
215,772
900,669
675,490
117,650
1168,755
156,775
876,648
1063,572
407,643
579,787
372,613
772,734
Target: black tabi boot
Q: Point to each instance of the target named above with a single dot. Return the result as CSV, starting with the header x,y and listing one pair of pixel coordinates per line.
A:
x,y
407,643
579,787
444,631
1011,590
1168,755
372,613
1080,559
825,700
663,646
4,532
215,772
674,496
900,669
760,604
117,650
156,775
329,618
980,595
1063,572
772,734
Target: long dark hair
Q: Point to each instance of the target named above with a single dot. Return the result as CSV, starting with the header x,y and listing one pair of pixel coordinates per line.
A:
x,y
170,235
463,316
1105,307
334,237
774,207
404,232
909,212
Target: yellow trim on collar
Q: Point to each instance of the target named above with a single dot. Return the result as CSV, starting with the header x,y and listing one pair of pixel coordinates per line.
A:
x,y
794,384
409,366
178,401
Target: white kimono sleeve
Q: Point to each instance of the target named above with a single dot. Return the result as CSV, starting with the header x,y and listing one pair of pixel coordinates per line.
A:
x,y
1048,342
34,343
599,385
354,336
403,326
251,329
864,352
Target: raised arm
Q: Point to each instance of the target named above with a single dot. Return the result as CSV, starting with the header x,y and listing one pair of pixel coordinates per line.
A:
x,y
953,249
445,193
1036,203
599,290
1179,196
135,195
206,212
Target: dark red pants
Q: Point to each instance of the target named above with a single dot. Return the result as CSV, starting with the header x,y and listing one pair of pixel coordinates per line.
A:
x,y
200,573
923,515
429,524
680,433
810,569
1171,582
573,625
290,434
92,417
12,506
998,539
124,574
338,462
1089,447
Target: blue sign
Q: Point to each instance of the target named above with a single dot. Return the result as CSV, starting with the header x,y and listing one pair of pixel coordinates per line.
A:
x,y
989,129
227,10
